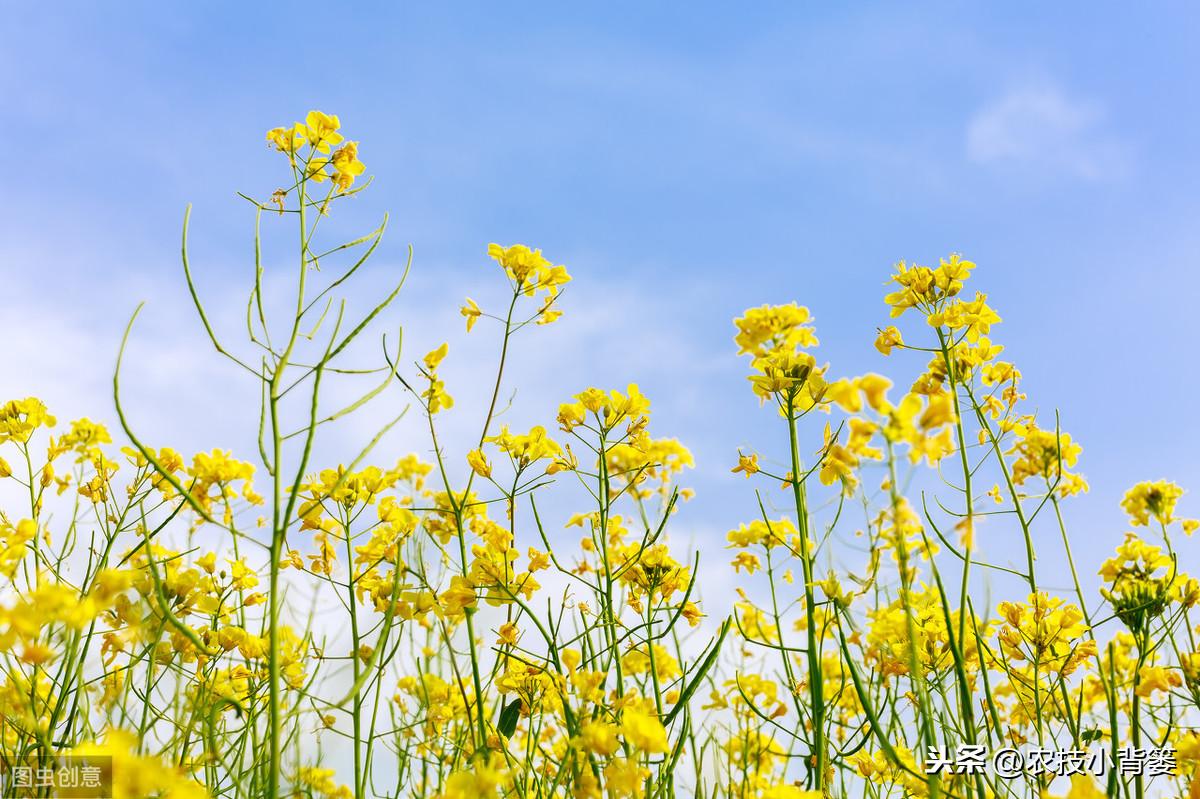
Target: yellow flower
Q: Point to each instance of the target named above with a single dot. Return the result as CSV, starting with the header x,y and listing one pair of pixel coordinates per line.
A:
x,y
230,638
37,654
321,130
975,317
471,312
571,415
747,464
925,288
592,399
287,140
643,731
1045,631
481,780
754,624
13,545
598,737
564,463
837,464
509,633
1148,499
136,776
538,560
1046,454
527,448
435,396
633,404
532,272
479,463
1157,678
520,262
792,377
546,314
888,338
844,393
19,418
315,170
774,327
939,411
346,165
832,589
1137,589
213,477
623,778
84,438
458,597
874,388
321,782
746,560
434,357
759,532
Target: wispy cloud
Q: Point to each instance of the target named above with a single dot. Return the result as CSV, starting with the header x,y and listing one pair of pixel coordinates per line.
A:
x,y
1042,128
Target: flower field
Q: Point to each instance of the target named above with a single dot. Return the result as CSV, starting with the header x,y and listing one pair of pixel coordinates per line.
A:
x,y
261,625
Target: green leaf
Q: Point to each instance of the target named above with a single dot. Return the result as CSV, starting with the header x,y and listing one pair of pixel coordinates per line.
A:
x,y
509,716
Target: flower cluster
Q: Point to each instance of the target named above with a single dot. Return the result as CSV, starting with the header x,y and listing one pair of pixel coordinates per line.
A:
x,y
514,613
319,133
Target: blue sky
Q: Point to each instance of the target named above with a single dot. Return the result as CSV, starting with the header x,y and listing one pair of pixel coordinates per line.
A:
x,y
684,161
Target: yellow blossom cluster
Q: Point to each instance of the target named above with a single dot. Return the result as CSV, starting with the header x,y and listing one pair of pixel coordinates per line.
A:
x,y
439,623
319,132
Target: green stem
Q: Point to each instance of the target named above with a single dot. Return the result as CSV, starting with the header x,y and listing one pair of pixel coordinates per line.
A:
x,y
816,685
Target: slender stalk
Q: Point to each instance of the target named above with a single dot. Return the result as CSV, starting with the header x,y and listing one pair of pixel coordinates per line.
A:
x,y
816,684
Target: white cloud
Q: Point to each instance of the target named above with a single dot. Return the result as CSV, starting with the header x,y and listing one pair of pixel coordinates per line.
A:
x,y
1041,128
177,392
